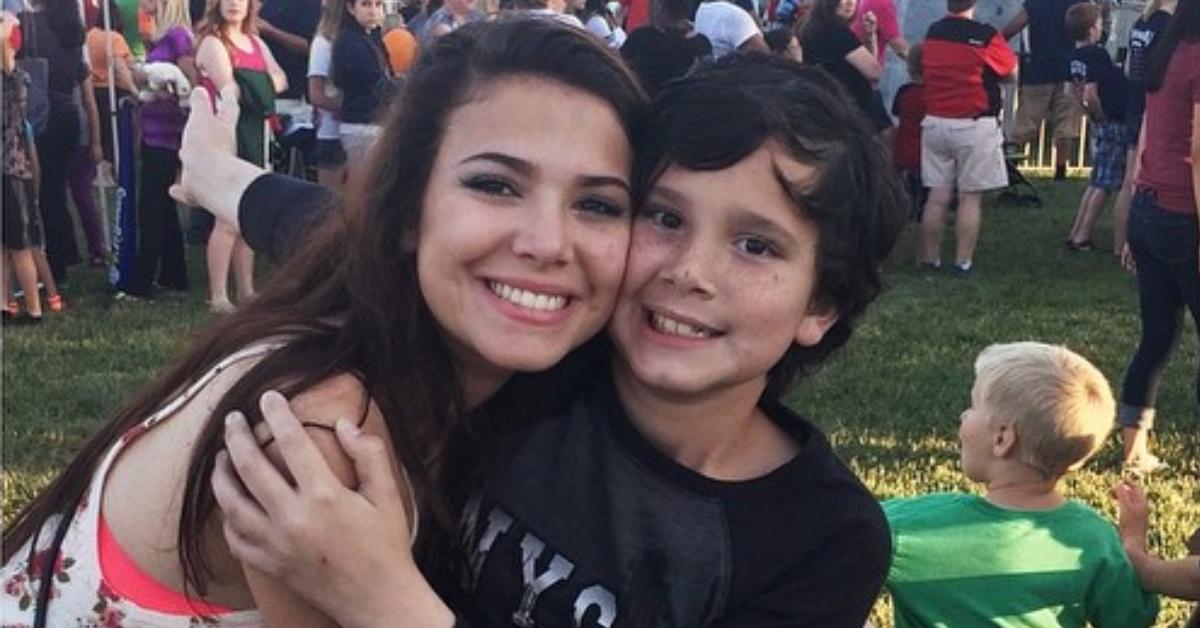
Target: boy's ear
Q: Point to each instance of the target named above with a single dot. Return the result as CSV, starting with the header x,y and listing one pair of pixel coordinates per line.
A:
x,y
815,323
1004,440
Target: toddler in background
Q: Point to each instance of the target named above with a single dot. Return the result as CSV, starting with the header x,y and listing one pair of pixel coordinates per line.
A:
x,y
909,108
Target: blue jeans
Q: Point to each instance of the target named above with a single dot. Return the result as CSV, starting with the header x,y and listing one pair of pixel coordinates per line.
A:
x,y
1164,245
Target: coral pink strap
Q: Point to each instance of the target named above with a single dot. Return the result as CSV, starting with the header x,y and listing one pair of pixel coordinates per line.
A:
x,y
130,583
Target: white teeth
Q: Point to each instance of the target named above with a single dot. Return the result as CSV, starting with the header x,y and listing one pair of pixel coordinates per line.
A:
x,y
678,328
527,299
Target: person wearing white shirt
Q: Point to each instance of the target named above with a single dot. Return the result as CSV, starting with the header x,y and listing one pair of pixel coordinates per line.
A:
x,y
728,27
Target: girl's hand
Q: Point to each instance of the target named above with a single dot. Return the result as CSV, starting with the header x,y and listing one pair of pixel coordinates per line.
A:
x,y
870,23
1127,258
347,552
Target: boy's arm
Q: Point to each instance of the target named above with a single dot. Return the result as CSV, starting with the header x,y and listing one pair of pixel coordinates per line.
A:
x,y
272,211
1016,24
1091,104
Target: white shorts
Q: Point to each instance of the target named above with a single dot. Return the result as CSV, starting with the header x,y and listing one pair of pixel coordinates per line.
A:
x,y
962,153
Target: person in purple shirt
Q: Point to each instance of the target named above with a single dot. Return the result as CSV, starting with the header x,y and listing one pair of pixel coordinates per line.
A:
x,y
160,241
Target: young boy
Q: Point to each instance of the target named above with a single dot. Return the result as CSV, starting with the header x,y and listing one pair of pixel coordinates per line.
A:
x,y
961,148
1022,554
909,109
677,490
1099,85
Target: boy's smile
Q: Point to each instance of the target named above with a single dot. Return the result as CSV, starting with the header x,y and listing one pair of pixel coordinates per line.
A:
x,y
720,277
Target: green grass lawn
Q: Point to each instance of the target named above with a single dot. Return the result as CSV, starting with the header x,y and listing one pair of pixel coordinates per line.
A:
x,y
890,402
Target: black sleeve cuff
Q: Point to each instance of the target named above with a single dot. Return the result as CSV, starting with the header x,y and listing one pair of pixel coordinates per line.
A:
x,y
276,212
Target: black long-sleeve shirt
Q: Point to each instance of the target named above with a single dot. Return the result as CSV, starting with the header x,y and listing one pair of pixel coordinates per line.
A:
x,y
360,70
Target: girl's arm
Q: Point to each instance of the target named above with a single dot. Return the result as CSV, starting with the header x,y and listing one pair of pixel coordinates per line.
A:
x,y
344,551
864,61
320,99
93,119
212,61
278,77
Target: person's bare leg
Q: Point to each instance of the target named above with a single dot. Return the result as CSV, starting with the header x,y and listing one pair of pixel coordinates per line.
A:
x,y
219,254
1121,207
6,279
1135,442
929,248
966,226
243,270
1078,233
1062,155
1091,212
44,274
27,275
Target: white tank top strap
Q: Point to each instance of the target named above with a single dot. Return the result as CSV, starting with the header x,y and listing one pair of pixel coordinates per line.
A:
x,y
196,386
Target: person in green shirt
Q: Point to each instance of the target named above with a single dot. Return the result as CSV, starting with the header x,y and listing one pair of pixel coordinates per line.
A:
x,y
133,35
1021,554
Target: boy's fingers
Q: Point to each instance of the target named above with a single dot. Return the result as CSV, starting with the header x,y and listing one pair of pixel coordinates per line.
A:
x,y
227,113
255,471
377,482
304,460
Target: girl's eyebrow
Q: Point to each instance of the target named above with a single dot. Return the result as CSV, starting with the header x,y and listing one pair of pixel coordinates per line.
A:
x,y
515,163
529,169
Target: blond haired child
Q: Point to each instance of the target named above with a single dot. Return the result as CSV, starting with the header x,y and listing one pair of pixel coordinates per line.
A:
x,y
1021,553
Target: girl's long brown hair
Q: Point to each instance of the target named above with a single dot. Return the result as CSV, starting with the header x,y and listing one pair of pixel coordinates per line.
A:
x,y
214,24
348,301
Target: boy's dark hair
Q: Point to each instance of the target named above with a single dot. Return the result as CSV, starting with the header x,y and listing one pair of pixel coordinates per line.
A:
x,y
1080,19
958,6
723,111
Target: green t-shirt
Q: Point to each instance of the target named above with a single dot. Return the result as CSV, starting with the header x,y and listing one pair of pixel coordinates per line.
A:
x,y
958,560
129,16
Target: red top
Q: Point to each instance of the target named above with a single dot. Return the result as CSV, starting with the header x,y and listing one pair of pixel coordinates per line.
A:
x,y
252,59
638,14
962,65
909,106
888,27
1167,158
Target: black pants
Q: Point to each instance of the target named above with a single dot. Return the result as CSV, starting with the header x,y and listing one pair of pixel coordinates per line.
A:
x,y
1164,247
159,238
55,145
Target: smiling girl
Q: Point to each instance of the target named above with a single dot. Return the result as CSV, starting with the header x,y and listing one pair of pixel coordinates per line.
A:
x,y
400,311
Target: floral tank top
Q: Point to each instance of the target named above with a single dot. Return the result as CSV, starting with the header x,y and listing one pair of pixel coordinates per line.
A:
x,y
80,594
